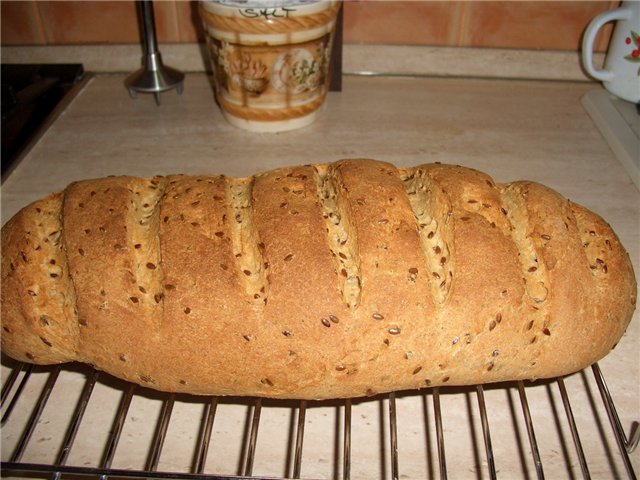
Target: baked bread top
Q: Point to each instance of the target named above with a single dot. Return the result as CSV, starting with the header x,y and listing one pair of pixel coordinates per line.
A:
x,y
317,281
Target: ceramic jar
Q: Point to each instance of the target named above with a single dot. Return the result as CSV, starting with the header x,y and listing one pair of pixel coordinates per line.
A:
x,y
270,63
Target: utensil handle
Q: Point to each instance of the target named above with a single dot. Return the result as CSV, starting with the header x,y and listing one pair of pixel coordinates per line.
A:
x,y
148,26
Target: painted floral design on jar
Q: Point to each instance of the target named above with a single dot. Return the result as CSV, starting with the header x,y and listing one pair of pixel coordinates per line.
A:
x,y
249,74
299,70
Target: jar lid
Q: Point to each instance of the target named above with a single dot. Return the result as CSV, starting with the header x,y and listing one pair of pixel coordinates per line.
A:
x,y
264,3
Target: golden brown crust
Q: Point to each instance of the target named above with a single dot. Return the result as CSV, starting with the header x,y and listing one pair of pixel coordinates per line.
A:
x,y
38,300
321,281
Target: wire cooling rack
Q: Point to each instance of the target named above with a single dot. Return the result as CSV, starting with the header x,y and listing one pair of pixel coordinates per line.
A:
x,y
53,418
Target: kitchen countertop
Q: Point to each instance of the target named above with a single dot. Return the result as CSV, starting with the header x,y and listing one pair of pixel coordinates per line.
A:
x,y
535,130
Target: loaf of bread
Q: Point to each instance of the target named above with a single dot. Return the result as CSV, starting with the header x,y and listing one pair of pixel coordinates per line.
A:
x,y
314,282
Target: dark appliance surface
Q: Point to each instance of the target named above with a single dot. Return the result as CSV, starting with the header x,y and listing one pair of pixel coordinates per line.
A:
x,y
31,94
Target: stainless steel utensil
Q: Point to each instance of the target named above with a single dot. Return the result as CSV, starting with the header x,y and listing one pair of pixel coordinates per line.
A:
x,y
154,77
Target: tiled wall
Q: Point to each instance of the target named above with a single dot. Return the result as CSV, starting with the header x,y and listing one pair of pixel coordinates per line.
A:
x,y
553,25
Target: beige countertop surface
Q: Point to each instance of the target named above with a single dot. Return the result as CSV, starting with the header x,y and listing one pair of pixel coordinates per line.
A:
x,y
517,129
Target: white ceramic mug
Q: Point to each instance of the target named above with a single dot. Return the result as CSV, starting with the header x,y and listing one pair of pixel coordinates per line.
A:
x,y
621,74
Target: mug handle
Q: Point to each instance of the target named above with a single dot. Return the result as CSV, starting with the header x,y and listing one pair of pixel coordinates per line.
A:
x,y
590,36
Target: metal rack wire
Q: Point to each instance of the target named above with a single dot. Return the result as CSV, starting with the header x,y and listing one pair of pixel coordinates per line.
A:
x,y
21,375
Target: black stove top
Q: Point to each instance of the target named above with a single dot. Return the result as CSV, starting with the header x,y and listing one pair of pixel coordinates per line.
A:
x,y
30,95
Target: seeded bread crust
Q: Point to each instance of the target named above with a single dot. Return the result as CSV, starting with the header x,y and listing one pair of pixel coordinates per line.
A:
x,y
314,282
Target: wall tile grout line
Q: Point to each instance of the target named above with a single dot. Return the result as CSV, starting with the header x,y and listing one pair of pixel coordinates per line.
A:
x,y
462,24
40,24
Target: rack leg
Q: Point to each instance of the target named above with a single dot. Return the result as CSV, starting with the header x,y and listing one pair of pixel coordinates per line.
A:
x,y
205,437
161,433
35,416
253,437
346,459
486,433
75,423
8,385
532,436
393,434
297,461
442,458
624,445
574,429
7,388
116,429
